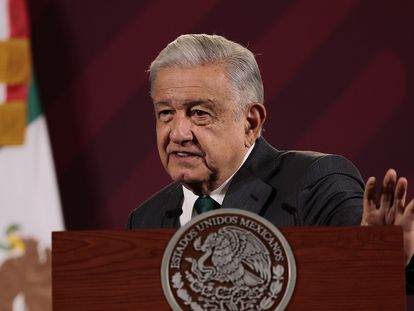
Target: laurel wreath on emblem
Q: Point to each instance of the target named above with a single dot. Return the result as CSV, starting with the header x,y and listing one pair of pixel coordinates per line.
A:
x,y
238,258
183,294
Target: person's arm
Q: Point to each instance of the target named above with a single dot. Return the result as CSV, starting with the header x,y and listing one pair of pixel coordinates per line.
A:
x,y
331,193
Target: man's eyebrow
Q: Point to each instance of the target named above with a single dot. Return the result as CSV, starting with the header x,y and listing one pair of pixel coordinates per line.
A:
x,y
162,103
187,103
195,102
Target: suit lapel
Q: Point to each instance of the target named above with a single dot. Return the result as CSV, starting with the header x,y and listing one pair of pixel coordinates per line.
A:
x,y
248,194
173,207
249,189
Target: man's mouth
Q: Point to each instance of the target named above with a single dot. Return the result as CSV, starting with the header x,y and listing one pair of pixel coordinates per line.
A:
x,y
184,154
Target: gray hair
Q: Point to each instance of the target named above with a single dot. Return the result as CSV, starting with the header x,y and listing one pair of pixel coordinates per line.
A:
x,y
241,68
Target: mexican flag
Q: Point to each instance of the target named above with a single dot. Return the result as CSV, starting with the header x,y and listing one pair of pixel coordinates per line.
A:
x,y
29,200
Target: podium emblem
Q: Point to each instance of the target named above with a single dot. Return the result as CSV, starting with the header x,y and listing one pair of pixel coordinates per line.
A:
x,y
228,259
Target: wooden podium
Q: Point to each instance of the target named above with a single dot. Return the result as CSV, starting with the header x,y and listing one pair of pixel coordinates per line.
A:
x,y
343,268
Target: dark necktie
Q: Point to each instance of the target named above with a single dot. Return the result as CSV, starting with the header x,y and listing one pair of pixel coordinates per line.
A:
x,y
205,204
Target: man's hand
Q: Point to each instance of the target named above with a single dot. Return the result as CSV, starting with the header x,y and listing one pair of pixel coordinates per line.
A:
x,y
391,209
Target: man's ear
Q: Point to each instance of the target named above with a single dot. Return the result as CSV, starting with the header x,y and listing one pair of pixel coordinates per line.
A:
x,y
255,117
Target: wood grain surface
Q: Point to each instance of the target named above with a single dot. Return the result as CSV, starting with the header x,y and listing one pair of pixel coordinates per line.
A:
x,y
347,268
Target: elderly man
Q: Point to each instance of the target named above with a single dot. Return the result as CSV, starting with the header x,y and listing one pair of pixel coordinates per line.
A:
x,y
208,101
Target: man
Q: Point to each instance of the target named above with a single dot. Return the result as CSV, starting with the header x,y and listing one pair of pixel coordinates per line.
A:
x,y
208,100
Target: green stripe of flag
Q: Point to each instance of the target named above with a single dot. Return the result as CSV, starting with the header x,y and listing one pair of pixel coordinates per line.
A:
x,y
34,105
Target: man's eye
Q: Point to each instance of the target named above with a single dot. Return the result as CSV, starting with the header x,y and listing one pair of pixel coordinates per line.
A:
x,y
165,114
199,113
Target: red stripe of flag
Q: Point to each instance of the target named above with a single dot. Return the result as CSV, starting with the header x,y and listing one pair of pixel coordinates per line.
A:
x,y
17,92
19,23
19,28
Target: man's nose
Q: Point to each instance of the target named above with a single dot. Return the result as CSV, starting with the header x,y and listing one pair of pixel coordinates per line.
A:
x,y
181,130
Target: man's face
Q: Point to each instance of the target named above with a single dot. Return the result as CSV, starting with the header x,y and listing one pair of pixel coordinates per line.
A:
x,y
200,141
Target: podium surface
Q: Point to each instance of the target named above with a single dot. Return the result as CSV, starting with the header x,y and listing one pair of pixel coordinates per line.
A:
x,y
341,268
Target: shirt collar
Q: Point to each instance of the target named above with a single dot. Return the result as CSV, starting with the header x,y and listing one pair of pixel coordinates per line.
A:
x,y
217,194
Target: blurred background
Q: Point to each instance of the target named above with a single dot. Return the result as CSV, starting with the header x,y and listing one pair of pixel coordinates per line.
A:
x,y
338,78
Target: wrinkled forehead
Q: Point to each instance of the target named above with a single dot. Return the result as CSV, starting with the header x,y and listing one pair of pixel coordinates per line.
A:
x,y
177,68
207,81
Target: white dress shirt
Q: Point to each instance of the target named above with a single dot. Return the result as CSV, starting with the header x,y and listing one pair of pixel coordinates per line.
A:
x,y
217,194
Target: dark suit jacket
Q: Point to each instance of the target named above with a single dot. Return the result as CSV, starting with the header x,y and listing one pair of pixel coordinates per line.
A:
x,y
288,188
